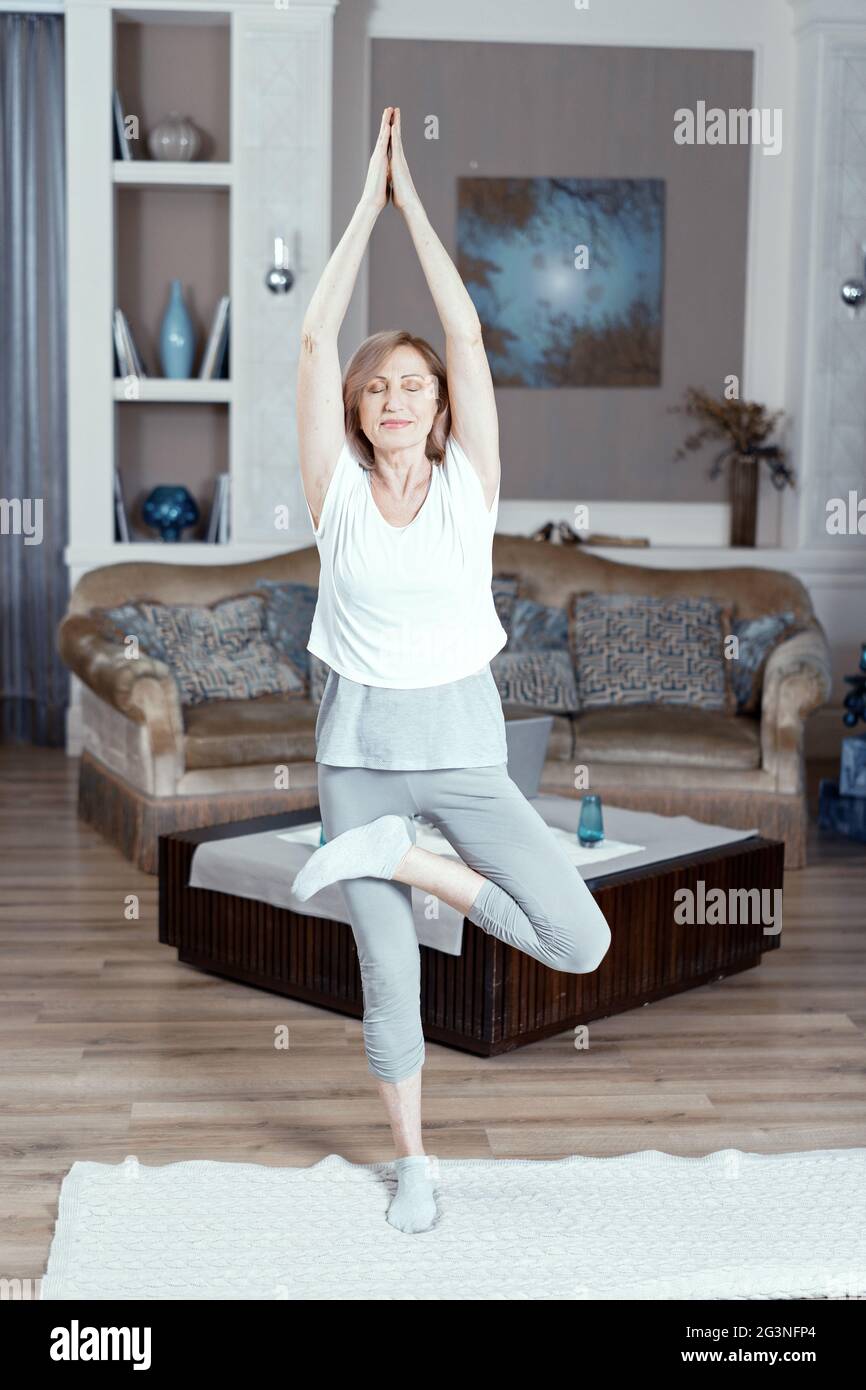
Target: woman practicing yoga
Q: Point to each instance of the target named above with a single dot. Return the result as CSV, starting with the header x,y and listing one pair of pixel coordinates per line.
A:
x,y
400,468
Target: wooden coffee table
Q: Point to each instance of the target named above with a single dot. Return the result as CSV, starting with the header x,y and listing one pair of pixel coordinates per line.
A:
x,y
491,998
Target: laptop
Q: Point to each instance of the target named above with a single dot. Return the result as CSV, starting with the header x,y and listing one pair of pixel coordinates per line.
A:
x,y
527,741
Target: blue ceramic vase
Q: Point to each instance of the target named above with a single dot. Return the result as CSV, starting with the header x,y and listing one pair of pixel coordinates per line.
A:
x,y
176,337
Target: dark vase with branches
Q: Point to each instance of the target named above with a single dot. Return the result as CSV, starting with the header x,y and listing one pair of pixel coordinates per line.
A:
x,y
745,427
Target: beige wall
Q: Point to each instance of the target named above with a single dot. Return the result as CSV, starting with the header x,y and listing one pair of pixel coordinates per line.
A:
x,y
159,68
351,146
534,110
162,442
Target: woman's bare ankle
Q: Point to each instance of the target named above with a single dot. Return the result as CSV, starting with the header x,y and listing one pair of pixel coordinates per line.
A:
x,y
403,871
452,881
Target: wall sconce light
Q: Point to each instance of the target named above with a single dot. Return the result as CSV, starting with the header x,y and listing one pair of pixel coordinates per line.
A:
x,y
854,291
278,278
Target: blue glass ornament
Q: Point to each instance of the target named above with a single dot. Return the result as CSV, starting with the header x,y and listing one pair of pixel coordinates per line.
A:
x,y
169,509
590,830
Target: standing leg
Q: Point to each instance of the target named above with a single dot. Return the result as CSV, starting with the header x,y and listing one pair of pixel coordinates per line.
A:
x,y
390,962
382,921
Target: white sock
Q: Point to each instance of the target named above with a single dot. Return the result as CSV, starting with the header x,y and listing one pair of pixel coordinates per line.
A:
x,y
368,851
413,1207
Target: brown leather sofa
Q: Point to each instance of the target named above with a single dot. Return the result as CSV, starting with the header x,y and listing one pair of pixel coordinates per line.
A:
x,y
149,765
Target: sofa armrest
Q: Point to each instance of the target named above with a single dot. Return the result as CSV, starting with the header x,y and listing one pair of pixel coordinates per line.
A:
x,y
797,680
143,689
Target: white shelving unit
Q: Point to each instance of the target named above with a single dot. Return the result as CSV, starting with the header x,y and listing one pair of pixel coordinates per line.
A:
x,y
166,389
139,173
131,226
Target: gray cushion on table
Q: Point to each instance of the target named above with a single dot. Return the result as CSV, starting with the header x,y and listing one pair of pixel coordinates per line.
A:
x,y
263,867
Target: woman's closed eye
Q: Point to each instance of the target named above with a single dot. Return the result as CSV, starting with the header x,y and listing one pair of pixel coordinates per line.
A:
x,y
415,384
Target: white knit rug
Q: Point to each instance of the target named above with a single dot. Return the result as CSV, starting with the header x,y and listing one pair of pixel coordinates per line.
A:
x,y
646,1225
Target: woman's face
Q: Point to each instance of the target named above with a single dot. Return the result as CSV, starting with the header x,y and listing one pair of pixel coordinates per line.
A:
x,y
398,405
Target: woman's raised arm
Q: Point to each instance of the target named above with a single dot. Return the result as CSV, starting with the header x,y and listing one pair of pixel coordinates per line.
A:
x,y
470,385
321,422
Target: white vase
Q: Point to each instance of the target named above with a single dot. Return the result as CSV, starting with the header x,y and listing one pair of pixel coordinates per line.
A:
x,y
174,138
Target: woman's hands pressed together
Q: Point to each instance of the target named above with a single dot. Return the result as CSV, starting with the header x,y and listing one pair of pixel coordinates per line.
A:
x,y
377,187
403,190
388,176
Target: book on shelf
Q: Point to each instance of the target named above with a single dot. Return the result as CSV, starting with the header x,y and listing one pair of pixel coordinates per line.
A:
x,y
214,357
128,359
218,521
136,355
224,513
122,147
120,361
121,521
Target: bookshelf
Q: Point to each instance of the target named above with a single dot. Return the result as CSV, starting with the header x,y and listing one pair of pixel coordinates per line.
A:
x,y
255,80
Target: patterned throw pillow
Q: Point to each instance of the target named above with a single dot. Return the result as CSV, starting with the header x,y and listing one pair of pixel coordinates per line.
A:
x,y
634,649
537,627
289,619
505,588
220,652
544,680
319,673
757,639
127,621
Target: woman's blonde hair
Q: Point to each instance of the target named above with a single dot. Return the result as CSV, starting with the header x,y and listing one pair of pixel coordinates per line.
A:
x,y
364,364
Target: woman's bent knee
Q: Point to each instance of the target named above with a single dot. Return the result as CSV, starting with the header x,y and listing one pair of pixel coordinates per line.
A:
x,y
584,950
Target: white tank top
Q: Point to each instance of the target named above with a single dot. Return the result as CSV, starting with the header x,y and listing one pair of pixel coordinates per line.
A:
x,y
406,606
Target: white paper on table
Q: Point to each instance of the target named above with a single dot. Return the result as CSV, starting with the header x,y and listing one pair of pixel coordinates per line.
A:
x,y
427,837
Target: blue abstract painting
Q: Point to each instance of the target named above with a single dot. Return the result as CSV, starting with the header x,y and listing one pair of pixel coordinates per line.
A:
x,y
566,276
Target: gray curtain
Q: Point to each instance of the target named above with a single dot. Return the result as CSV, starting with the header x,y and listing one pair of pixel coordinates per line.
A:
x,y
34,685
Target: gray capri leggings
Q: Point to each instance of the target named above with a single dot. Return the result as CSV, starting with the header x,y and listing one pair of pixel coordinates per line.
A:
x,y
535,898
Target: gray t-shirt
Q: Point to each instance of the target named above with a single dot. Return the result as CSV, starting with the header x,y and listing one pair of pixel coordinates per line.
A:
x,y
458,724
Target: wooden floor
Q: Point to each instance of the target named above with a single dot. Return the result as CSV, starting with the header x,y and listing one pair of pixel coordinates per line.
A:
x,y
110,1047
